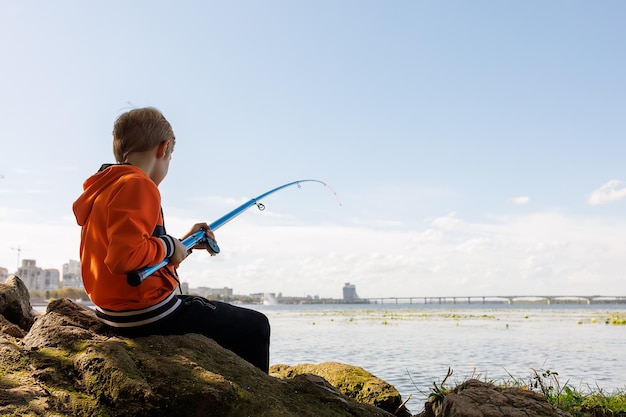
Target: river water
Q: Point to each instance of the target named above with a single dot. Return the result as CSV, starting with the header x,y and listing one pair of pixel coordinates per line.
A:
x,y
413,346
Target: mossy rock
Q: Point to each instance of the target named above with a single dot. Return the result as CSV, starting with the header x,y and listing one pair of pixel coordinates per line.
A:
x,y
68,365
352,381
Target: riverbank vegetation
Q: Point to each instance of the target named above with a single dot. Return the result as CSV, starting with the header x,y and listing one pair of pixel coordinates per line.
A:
x,y
579,402
616,319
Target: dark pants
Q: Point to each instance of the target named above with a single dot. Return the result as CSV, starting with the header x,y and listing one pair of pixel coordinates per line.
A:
x,y
244,331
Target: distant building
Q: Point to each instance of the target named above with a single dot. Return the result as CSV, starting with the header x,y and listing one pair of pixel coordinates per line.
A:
x,y
349,292
72,277
208,292
30,273
4,274
36,278
51,278
258,296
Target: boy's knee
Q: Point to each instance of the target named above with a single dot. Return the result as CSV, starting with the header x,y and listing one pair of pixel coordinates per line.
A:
x,y
262,324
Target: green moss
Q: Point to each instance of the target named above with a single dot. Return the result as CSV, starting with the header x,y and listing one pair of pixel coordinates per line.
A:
x,y
47,370
76,403
352,381
60,357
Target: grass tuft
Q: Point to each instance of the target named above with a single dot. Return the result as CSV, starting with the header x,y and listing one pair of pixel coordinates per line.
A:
x,y
593,402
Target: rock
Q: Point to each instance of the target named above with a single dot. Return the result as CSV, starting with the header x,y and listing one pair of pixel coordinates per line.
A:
x,y
352,381
68,365
15,303
474,398
8,328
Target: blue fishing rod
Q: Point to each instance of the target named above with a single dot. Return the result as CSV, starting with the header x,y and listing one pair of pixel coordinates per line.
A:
x,y
135,278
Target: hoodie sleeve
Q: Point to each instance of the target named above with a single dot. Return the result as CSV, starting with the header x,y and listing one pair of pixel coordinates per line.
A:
x,y
134,211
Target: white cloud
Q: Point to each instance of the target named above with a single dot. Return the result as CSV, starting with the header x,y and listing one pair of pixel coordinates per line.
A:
x,y
520,200
544,253
448,222
610,192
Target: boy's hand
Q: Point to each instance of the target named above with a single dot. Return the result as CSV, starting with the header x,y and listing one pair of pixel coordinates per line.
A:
x,y
207,231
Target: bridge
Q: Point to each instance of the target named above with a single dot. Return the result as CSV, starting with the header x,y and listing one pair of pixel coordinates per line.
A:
x,y
506,299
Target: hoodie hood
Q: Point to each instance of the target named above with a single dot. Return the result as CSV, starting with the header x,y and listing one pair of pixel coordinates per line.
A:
x,y
94,186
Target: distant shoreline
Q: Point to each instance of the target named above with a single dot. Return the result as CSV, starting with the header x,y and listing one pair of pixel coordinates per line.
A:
x,y
388,301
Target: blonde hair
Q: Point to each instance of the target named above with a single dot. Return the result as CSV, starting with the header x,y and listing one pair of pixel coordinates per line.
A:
x,y
140,130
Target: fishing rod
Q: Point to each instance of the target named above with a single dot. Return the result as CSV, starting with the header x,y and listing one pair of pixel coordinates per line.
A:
x,y
134,278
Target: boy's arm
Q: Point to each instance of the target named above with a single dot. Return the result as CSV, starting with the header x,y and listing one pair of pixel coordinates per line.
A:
x,y
133,213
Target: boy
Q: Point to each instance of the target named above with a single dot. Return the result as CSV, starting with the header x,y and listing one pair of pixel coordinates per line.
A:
x,y
123,230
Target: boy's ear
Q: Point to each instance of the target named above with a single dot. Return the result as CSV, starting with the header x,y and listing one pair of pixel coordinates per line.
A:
x,y
162,149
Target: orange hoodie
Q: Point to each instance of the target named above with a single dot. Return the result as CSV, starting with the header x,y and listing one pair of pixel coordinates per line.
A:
x,y
122,231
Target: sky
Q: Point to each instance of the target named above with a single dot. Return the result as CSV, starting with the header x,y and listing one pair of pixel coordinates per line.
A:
x,y
476,148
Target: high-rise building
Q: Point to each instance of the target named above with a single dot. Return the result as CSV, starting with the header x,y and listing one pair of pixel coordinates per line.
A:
x,y
72,277
349,292
36,278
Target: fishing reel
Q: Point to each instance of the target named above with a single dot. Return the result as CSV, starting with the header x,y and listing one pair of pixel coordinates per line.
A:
x,y
200,238
212,244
